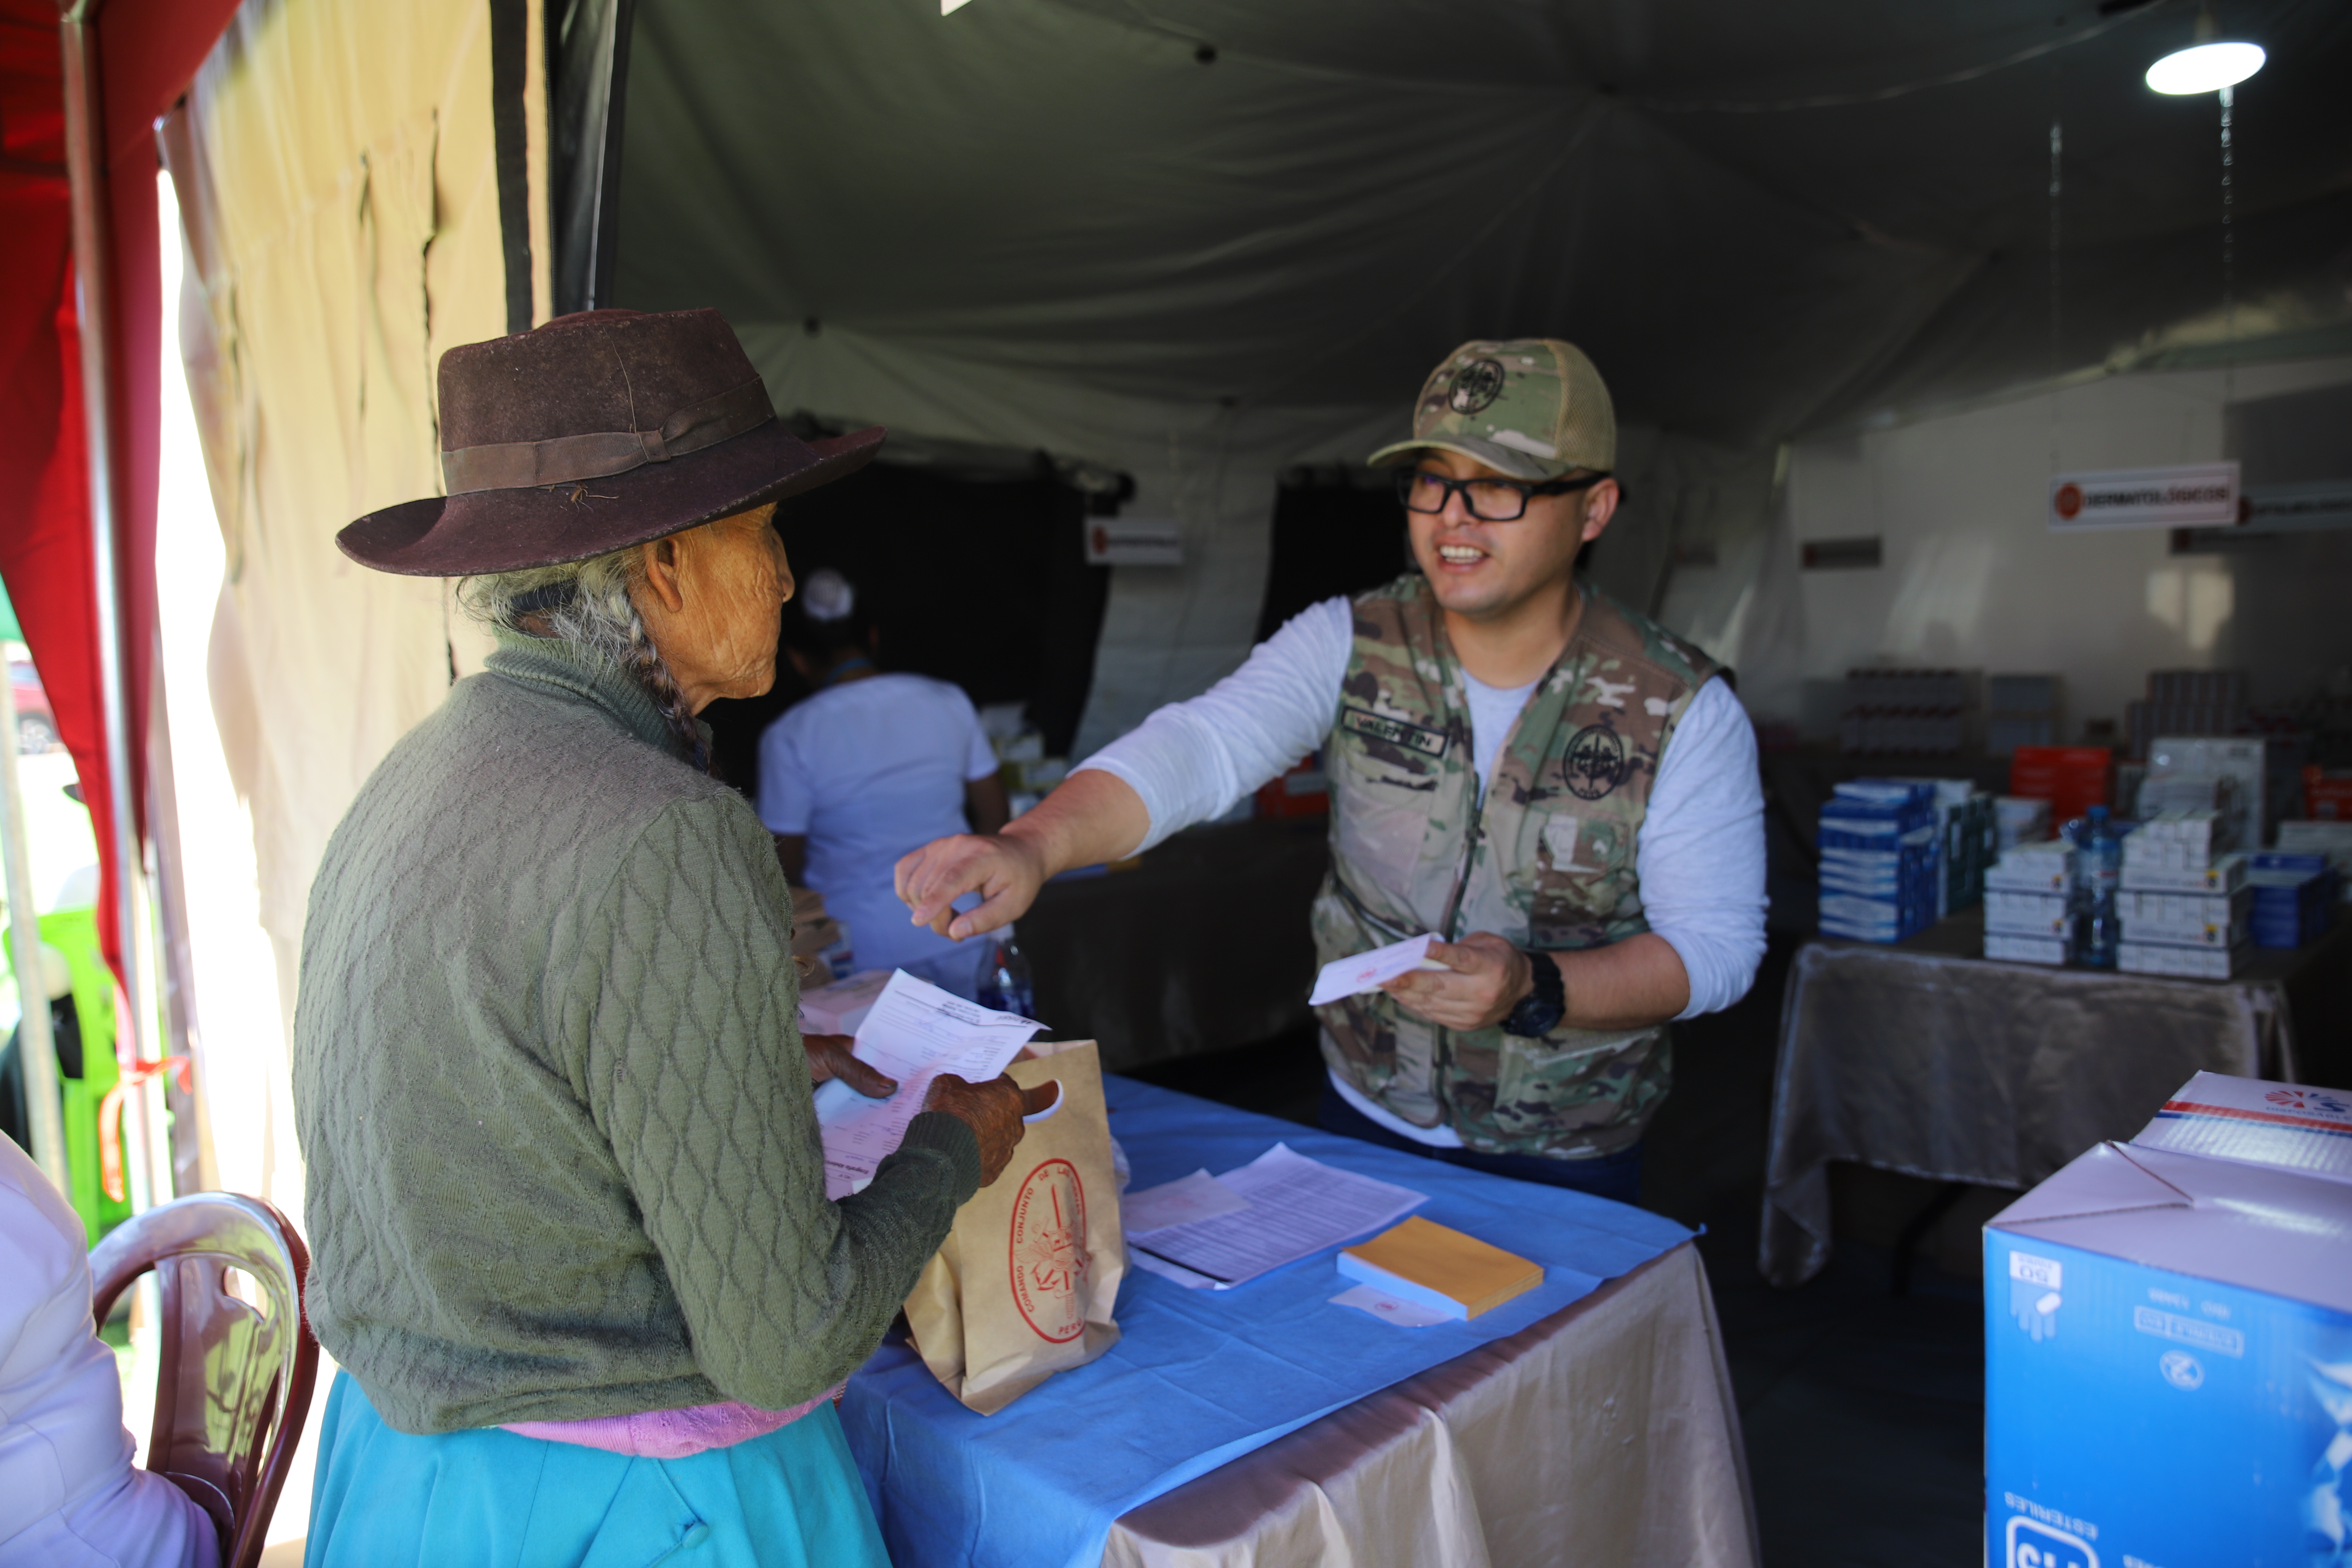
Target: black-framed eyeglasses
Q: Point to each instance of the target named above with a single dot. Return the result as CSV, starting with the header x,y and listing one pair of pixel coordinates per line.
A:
x,y
1490,501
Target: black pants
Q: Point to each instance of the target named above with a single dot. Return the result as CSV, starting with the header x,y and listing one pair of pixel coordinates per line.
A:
x,y
1616,1176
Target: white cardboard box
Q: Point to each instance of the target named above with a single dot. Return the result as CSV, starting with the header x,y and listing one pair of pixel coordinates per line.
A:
x,y
2049,869
2026,914
2005,948
2226,874
2169,1341
2180,962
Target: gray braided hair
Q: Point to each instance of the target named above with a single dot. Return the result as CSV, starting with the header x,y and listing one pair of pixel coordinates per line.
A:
x,y
586,603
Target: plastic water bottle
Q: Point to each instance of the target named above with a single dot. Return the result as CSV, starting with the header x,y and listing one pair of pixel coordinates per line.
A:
x,y
2098,868
1005,982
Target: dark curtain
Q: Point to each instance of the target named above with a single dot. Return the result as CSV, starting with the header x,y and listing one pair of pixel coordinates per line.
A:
x,y
980,582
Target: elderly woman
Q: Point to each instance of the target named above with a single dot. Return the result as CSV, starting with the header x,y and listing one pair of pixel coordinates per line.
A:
x,y
566,1197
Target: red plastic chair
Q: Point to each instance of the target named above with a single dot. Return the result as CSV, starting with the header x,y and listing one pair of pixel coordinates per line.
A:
x,y
235,1385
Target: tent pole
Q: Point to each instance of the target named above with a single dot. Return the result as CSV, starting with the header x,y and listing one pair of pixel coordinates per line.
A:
x,y
86,171
35,1050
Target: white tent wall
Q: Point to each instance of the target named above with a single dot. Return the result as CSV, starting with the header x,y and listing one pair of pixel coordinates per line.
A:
x,y
1973,578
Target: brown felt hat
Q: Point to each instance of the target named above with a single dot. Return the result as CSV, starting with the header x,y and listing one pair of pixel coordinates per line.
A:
x,y
591,433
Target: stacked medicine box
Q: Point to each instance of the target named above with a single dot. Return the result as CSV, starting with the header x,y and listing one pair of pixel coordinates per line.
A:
x,y
2293,897
1969,832
1880,861
2183,905
2029,904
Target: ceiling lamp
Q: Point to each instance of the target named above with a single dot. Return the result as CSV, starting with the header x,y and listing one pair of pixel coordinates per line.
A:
x,y
2205,68
2207,65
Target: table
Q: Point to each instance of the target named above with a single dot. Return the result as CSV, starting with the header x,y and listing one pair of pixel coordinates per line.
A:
x,y
1606,1433
1593,1409
1930,1061
1203,944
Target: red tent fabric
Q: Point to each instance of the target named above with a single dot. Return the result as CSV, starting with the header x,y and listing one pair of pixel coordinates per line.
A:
x,y
146,50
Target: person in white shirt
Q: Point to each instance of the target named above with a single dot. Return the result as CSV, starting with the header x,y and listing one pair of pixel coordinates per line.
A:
x,y
70,1496
1560,790
869,767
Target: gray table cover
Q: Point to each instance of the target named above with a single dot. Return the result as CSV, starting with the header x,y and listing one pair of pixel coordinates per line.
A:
x,y
1937,1064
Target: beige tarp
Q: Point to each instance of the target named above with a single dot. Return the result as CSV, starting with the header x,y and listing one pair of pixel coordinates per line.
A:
x,y
336,170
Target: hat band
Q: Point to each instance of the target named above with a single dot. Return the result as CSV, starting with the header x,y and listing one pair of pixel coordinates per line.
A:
x,y
567,459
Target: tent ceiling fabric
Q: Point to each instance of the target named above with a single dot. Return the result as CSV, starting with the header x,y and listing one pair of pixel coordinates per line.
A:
x,y
1743,213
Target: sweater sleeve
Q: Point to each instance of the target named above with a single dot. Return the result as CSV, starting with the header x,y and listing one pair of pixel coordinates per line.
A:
x,y
681,1013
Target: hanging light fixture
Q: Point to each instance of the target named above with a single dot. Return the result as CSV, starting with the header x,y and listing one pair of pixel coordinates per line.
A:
x,y
2208,65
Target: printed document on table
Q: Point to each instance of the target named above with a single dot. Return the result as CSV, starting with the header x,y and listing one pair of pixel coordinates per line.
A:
x,y
1368,970
915,1033
1180,1201
1297,1206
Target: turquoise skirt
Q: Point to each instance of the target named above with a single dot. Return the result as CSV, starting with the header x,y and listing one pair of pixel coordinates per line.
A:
x,y
493,1499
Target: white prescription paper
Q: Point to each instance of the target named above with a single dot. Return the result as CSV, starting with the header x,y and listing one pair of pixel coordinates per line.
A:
x,y
915,1032
1180,1201
1297,1206
1390,1309
1366,971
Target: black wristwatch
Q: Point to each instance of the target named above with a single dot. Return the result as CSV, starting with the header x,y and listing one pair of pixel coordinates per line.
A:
x,y
1545,1004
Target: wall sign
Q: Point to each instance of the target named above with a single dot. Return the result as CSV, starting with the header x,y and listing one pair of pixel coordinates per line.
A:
x,y
1134,541
2197,495
2292,508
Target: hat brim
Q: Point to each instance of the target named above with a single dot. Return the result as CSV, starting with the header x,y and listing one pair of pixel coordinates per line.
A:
x,y
1502,459
507,531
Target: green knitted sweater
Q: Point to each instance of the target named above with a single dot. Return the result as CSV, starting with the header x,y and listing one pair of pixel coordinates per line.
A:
x,y
562,1159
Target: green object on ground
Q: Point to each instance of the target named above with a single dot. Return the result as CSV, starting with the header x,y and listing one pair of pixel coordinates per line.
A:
x,y
74,932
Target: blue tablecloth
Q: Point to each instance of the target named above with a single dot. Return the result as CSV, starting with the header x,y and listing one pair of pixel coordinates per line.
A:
x,y
1199,1376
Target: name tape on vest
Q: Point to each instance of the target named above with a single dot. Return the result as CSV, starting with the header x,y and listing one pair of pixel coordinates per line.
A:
x,y
1395,731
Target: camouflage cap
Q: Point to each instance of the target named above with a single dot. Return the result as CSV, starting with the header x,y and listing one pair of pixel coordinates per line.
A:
x,y
1533,408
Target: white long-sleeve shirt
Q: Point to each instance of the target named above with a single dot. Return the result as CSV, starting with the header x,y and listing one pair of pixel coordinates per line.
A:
x,y
69,1496
1699,855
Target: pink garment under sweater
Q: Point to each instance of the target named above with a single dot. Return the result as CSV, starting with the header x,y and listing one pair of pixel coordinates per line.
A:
x,y
671,1434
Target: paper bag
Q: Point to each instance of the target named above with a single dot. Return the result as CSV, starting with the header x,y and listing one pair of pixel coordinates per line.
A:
x,y
1025,1286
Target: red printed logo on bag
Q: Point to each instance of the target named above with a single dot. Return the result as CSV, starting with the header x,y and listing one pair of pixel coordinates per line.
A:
x,y
1048,1251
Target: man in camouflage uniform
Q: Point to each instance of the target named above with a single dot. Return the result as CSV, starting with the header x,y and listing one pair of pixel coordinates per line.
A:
x,y
1494,734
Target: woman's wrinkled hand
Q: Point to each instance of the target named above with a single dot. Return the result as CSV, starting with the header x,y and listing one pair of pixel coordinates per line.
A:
x,y
829,1058
993,1110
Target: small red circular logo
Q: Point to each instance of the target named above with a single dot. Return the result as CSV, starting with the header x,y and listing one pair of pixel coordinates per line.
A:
x,y
1047,1253
2070,502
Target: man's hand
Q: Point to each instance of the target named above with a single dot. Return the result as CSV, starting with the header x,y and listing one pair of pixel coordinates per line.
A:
x,y
993,1110
1091,817
1489,977
1005,872
829,1058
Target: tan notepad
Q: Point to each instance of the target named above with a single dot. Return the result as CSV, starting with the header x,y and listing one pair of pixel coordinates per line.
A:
x,y
1441,1269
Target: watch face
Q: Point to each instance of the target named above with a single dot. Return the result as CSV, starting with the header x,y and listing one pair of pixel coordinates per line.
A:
x,y
1533,1017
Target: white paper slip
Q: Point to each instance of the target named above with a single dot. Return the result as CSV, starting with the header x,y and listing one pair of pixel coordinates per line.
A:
x,y
1297,1206
1180,1201
1366,970
1389,1309
915,1032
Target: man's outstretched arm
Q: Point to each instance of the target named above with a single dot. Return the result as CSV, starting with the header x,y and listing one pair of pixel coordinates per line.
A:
x,y
1188,762
1090,817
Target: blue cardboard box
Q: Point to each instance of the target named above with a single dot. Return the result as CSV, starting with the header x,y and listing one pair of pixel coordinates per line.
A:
x,y
2169,1343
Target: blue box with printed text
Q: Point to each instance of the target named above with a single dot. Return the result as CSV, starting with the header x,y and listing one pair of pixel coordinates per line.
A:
x,y
2169,1343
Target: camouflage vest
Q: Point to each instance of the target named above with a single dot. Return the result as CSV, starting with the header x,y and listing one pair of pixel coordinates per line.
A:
x,y
1547,863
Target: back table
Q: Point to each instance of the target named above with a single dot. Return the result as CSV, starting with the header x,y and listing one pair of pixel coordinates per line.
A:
x,y
1926,1059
